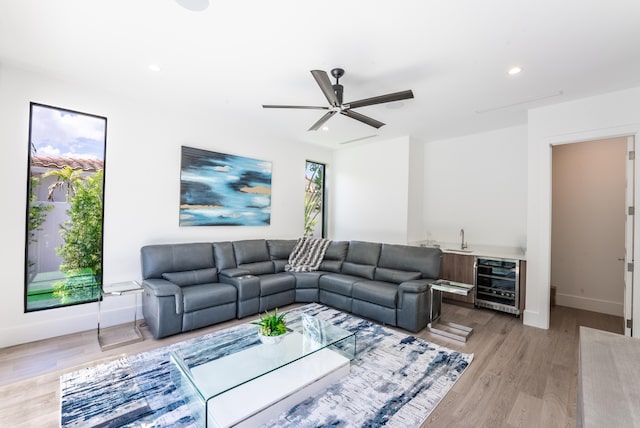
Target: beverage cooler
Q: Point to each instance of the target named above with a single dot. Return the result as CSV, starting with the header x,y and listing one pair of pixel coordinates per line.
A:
x,y
498,284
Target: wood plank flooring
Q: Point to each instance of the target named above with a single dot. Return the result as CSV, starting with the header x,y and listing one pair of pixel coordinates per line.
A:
x,y
520,376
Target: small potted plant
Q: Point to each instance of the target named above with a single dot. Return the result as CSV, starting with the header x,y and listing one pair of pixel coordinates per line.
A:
x,y
272,327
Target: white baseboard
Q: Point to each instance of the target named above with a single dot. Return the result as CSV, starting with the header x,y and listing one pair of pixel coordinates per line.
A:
x,y
534,319
62,321
593,305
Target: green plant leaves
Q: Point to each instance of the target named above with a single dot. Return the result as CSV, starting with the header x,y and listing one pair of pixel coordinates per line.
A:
x,y
272,324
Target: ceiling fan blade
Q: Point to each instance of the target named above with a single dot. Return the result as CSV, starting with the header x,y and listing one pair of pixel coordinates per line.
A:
x,y
322,120
285,106
327,88
396,96
362,118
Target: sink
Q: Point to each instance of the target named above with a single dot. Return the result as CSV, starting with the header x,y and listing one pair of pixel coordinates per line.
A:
x,y
458,250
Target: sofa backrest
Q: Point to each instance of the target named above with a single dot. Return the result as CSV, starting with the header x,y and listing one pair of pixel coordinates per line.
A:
x,y
362,258
334,256
163,258
224,255
253,256
279,251
405,258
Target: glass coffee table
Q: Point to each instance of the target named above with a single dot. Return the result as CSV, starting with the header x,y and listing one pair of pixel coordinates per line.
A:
x,y
233,379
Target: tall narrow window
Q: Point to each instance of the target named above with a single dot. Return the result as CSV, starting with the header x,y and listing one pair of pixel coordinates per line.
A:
x,y
314,206
63,255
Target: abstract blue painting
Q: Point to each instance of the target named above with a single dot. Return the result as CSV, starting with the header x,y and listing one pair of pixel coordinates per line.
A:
x,y
218,189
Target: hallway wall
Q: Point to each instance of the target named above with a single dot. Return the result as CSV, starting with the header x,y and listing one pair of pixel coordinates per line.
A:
x,y
588,224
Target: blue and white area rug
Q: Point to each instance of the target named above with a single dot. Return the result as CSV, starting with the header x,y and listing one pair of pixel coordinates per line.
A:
x,y
395,380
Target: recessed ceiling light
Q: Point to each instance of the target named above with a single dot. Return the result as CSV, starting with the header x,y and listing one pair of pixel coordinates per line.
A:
x,y
514,70
194,5
154,67
325,128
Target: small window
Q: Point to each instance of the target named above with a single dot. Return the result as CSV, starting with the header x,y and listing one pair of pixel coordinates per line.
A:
x,y
314,221
63,263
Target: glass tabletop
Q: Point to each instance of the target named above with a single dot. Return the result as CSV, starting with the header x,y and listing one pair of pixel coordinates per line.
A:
x,y
234,357
119,288
452,287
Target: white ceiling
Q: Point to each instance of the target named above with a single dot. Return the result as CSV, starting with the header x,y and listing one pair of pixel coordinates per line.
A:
x,y
237,55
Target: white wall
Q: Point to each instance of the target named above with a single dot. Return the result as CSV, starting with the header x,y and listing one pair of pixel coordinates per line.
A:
x,y
477,182
369,201
609,115
415,221
141,190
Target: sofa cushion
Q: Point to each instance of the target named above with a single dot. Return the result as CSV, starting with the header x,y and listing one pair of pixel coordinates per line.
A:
x,y
380,293
338,283
225,257
394,275
307,279
191,277
258,268
363,253
331,266
276,283
415,259
157,259
202,296
279,249
278,265
251,251
334,256
362,271
337,250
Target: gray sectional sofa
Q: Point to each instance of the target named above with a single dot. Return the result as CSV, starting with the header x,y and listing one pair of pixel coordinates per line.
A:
x,y
193,285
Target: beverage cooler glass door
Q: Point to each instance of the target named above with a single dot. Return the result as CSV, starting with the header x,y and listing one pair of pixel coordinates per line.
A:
x,y
497,284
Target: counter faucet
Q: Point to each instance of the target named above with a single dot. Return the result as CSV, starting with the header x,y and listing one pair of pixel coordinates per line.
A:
x,y
463,244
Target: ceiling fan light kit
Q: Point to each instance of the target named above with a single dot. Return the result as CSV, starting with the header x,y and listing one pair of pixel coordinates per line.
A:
x,y
334,95
194,5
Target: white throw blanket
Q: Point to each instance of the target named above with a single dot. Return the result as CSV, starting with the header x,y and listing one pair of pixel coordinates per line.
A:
x,y
307,254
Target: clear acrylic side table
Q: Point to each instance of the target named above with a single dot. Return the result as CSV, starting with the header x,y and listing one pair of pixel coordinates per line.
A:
x,y
436,324
105,341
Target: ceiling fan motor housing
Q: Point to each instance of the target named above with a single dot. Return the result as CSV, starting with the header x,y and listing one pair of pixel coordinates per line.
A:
x,y
338,88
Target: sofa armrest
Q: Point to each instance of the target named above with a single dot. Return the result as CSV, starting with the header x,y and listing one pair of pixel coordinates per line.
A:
x,y
234,273
163,288
414,286
414,301
248,286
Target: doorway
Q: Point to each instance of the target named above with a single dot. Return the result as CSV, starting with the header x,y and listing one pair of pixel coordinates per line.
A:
x,y
588,225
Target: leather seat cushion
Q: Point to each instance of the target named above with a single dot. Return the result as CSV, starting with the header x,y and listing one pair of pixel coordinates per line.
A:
x,y
338,283
276,283
307,279
192,277
380,293
202,296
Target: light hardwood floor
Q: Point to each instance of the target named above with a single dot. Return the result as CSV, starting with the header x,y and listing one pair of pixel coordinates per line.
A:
x,y
520,376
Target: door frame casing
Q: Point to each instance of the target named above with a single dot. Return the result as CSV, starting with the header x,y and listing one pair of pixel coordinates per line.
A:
x,y
629,237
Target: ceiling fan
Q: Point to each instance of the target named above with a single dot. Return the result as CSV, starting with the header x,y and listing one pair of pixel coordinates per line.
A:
x,y
334,96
